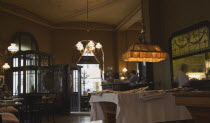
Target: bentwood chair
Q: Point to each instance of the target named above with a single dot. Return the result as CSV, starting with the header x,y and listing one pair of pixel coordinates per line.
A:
x,y
30,111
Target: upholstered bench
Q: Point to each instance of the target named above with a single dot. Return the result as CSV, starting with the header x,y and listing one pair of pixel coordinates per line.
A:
x,y
9,118
8,109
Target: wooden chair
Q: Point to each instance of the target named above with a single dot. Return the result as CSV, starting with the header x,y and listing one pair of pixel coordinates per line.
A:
x,y
48,107
30,111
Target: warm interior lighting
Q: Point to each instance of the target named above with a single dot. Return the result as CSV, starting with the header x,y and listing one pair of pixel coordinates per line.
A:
x,y
6,66
91,46
196,75
124,70
141,52
13,48
79,46
98,46
88,47
122,78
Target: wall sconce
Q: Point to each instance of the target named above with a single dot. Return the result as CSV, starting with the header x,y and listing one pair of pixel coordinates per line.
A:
x,y
13,48
6,66
124,70
6,53
122,78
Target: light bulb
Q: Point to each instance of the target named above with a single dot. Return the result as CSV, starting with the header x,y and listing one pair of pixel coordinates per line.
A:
x,y
79,46
91,46
122,78
13,48
91,43
124,70
6,66
98,46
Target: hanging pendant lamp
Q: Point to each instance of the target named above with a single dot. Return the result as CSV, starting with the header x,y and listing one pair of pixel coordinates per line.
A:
x,y
142,51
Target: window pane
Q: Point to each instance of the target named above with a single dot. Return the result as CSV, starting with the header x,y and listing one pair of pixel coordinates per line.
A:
x,y
26,42
15,83
30,81
91,77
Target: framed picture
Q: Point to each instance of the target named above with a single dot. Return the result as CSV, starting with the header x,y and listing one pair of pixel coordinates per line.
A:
x,y
1,80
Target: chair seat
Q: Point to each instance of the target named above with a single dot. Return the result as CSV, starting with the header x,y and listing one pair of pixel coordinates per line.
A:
x,y
8,109
9,118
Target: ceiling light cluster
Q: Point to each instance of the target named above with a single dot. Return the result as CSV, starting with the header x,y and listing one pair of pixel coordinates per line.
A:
x,y
90,47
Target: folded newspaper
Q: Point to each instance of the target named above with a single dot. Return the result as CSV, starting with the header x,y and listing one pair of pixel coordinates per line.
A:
x,y
152,96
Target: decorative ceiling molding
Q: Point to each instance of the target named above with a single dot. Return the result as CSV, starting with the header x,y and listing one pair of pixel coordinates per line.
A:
x,y
132,18
14,10
10,9
25,14
100,5
82,26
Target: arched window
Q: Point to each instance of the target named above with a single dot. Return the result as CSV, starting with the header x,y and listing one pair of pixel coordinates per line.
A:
x,y
25,41
27,63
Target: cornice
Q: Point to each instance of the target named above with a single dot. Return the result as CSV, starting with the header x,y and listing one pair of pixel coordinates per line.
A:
x,y
25,14
22,13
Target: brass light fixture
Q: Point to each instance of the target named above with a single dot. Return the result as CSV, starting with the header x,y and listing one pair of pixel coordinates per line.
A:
x,y
6,66
12,49
142,51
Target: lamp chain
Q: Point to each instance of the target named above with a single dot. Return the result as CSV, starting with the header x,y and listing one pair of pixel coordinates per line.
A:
x,y
142,33
87,25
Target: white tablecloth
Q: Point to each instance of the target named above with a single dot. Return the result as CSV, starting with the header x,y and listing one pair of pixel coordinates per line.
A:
x,y
132,109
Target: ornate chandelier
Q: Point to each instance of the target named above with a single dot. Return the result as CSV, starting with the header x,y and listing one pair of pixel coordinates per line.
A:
x,y
142,51
91,52
90,46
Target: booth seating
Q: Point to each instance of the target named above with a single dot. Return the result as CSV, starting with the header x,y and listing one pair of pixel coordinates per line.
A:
x,y
9,118
9,109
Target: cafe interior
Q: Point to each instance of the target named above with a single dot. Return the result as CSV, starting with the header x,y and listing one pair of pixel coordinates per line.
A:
x,y
104,61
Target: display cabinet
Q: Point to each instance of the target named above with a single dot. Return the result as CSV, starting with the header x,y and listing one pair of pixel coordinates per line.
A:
x,y
26,71
33,72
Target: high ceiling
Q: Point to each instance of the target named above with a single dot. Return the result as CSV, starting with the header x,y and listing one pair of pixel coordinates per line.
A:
x,y
111,12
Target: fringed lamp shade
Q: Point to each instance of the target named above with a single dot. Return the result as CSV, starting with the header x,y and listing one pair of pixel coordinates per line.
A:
x,y
141,52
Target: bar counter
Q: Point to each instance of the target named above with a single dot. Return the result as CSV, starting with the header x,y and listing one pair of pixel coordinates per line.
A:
x,y
198,104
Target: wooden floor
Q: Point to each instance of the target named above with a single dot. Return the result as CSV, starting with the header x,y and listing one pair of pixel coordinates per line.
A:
x,y
64,118
78,118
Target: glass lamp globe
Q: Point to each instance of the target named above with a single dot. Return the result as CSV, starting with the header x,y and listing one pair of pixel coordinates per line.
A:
x,y
124,70
91,46
79,46
98,46
13,48
6,66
